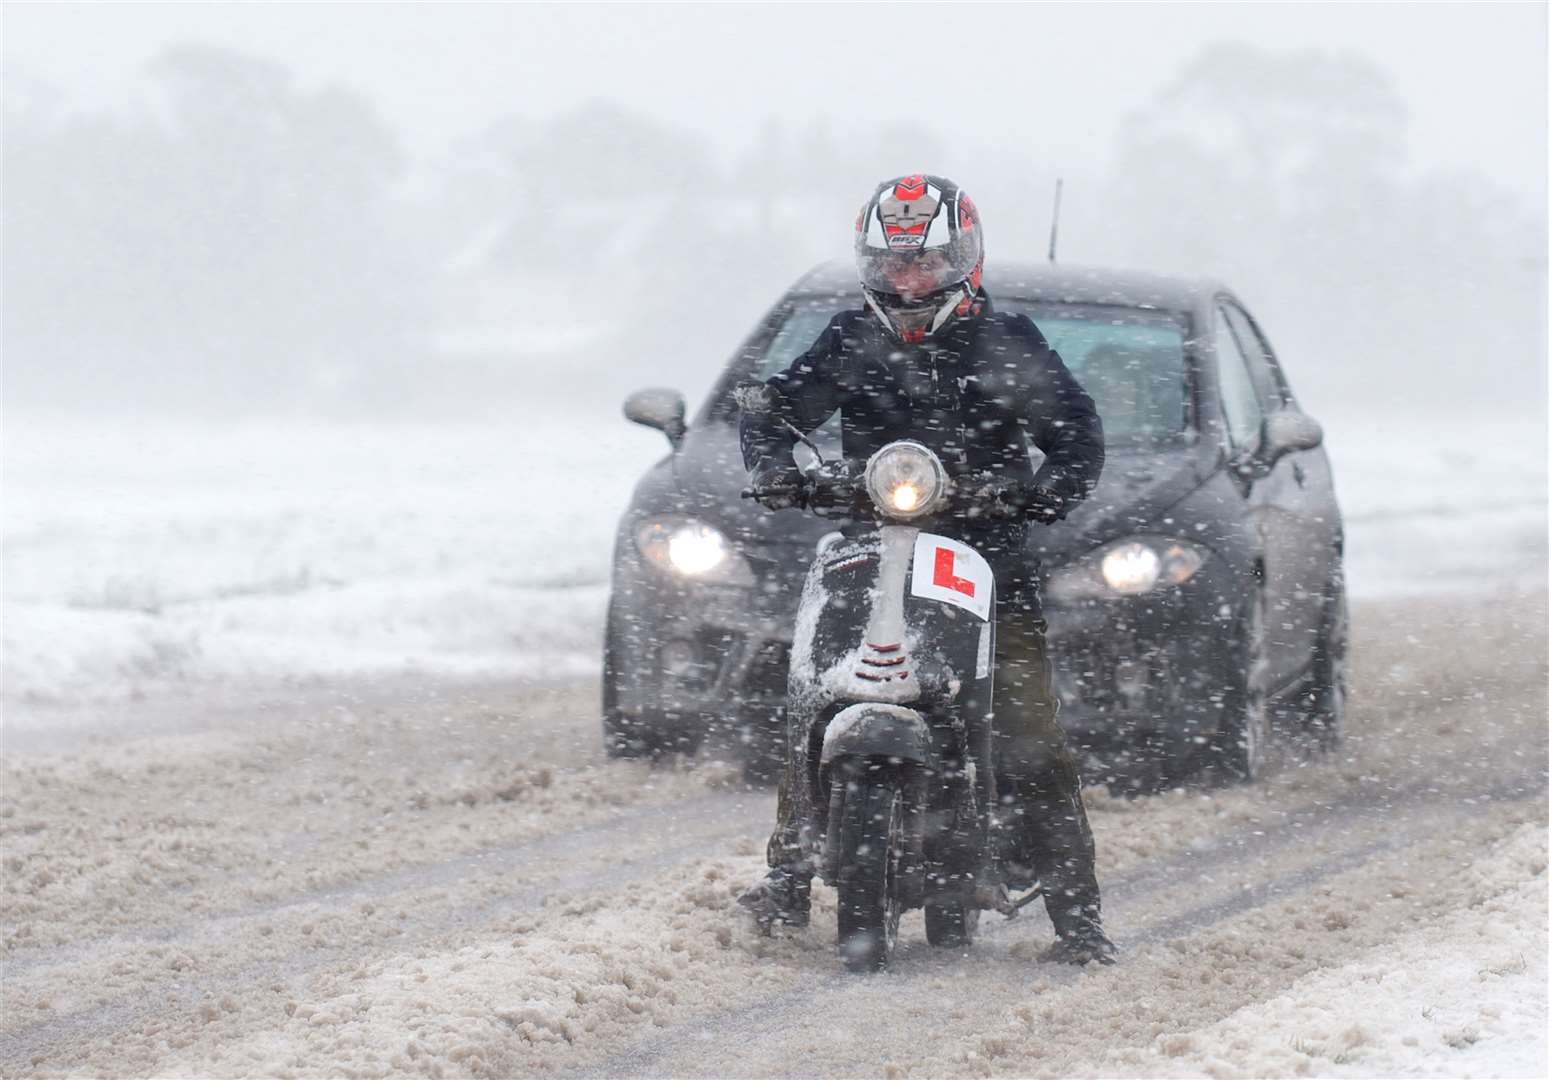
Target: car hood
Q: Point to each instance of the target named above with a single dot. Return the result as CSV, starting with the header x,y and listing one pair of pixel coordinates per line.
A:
x,y
705,478
1137,489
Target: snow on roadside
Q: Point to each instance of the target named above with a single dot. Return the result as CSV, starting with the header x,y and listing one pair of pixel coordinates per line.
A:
x,y
134,559
1442,504
463,626
1467,996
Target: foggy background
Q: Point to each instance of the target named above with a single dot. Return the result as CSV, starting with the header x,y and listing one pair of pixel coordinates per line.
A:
x,y
317,318
357,210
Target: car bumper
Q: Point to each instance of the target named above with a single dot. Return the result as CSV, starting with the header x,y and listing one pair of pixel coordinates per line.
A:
x,y
1144,673
1133,674
700,659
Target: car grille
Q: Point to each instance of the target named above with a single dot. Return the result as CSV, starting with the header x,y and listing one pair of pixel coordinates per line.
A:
x,y
728,662
768,670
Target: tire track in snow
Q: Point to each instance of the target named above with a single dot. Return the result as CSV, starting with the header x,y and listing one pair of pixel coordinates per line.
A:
x,y
709,821
1409,690
730,813
496,861
1299,826
1308,827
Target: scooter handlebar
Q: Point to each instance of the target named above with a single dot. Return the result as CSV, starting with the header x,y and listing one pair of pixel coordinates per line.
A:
x,y
993,497
837,490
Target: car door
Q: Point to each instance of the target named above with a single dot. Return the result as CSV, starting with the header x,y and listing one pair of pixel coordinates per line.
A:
x,y
1242,408
1283,508
1300,505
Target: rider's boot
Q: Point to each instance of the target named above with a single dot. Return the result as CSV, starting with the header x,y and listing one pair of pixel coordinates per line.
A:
x,y
1078,929
1081,947
1056,851
784,896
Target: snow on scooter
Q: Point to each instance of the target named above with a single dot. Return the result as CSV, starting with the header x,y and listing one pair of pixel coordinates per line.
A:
x,y
889,707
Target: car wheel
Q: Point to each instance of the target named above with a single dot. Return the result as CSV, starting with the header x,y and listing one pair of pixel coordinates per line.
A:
x,y
631,736
648,736
952,925
1327,691
1238,750
763,749
618,736
761,769
628,737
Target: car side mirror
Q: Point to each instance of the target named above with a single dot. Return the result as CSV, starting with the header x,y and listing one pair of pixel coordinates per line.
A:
x,y
1287,430
658,408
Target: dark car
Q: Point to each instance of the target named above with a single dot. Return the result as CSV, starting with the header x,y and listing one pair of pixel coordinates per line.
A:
x,y
1194,596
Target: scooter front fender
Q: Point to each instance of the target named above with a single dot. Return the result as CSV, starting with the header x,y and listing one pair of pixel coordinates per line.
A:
x,y
874,730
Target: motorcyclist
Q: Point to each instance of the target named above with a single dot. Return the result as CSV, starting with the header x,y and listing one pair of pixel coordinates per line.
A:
x,y
929,358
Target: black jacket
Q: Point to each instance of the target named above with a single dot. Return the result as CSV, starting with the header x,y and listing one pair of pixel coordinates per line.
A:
x,y
991,381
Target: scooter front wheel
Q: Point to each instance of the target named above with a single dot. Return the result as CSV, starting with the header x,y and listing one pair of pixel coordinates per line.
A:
x,y
871,845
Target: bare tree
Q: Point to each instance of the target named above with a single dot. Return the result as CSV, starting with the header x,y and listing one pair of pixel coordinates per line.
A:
x,y
1284,173
230,243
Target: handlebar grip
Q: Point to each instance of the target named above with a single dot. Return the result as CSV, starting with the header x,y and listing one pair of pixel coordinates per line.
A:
x,y
788,495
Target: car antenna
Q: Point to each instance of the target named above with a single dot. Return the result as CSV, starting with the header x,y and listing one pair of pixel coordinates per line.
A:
x,y
1054,222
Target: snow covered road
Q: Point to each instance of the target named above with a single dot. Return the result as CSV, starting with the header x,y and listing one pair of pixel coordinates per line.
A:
x,y
450,880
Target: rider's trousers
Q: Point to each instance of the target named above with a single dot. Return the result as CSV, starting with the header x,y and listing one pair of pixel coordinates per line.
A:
x,y
1039,783
1046,832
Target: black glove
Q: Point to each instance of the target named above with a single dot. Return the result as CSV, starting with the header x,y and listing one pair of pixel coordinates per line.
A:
x,y
992,497
777,486
1045,505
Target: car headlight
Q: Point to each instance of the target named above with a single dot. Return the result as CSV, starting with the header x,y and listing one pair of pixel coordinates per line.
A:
x,y
1132,568
905,480
692,549
1127,568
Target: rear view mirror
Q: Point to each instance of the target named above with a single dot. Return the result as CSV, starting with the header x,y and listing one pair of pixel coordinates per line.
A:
x,y
658,408
1287,430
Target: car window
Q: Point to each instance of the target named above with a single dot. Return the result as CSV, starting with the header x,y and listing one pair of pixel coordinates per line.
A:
x,y
1131,360
800,328
1240,405
795,335
1261,362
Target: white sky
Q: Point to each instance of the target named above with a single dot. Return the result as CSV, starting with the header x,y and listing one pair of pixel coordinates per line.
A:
x,y
1052,79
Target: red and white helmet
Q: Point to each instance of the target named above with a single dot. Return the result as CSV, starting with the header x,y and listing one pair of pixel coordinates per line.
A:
x,y
919,248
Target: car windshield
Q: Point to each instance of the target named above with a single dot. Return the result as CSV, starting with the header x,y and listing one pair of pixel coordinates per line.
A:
x,y
801,326
1131,360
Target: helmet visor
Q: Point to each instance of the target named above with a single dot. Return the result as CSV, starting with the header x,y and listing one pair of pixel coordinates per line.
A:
x,y
912,275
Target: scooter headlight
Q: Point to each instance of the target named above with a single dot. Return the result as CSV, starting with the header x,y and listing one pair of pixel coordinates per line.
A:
x,y
906,481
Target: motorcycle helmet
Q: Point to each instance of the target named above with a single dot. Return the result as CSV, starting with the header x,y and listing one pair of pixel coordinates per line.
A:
x,y
919,248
